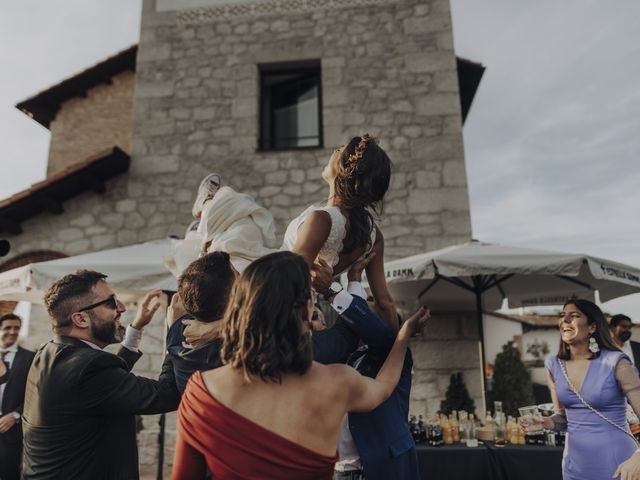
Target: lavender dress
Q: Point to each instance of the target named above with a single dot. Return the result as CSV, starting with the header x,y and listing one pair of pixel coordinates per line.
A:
x,y
594,448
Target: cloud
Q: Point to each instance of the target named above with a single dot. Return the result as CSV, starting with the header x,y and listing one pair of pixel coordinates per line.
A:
x,y
42,43
551,141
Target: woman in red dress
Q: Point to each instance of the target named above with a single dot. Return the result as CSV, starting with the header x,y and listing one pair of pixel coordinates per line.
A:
x,y
271,412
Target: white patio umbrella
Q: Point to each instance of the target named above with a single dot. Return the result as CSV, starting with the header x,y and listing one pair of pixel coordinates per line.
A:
x,y
479,276
453,277
132,271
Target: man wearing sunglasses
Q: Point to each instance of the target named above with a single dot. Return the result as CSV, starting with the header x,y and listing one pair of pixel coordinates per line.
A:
x,y
81,402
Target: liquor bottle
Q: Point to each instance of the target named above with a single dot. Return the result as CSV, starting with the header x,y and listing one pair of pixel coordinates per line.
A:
x,y
521,435
422,430
500,430
446,430
435,433
472,440
512,431
463,425
455,426
413,427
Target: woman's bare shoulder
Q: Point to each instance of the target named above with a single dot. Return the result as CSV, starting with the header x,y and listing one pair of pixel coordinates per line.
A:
x,y
318,219
335,373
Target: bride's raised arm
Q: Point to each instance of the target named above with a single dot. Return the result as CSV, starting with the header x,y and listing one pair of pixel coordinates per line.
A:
x,y
312,235
378,285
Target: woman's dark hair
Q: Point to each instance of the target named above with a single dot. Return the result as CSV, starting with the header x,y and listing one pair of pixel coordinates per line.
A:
x,y
360,186
602,333
264,332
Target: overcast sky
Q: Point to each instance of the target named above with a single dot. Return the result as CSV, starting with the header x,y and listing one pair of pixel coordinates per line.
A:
x,y
551,140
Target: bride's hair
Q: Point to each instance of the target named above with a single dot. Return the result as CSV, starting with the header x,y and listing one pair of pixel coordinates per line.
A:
x,y
362,179
263,332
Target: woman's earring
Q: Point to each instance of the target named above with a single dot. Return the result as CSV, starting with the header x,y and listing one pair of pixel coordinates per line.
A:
x,y
593,345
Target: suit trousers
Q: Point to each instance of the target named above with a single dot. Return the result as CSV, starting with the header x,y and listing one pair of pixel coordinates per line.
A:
x,y
10,455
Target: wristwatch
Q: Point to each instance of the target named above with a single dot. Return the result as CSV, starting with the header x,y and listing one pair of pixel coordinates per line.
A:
x,y
17,416
333,290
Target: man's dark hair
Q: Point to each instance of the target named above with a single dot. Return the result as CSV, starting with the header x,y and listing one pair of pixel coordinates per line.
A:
x,y
616,319
205,285
9,316
264,331
67,295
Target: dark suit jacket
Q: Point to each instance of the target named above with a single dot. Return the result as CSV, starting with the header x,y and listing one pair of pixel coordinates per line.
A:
x,y
332,345
382,436
13,398
79,412
635,348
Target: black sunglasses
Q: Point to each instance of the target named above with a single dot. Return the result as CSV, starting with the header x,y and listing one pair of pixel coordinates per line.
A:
x,y
111,301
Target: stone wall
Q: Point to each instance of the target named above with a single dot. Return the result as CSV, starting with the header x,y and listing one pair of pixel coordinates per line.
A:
x,y
85,126
388,69
447,345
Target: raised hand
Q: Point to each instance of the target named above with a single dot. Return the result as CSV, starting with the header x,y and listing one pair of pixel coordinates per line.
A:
x,y
198,333
417,321
146,309
321,275
355,272
175,309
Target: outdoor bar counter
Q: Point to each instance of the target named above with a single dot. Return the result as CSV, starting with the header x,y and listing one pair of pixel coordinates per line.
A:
x,y
488,462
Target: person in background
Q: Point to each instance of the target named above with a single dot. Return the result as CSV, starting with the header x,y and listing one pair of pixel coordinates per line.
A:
x,y
375,445
81,401
270,411
203,293
621,330
18,361
590,374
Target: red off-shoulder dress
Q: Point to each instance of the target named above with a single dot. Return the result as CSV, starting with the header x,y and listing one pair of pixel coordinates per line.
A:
x,y
232,447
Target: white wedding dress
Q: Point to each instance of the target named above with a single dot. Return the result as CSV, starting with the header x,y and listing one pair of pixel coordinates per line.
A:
x,y
330,251
234,223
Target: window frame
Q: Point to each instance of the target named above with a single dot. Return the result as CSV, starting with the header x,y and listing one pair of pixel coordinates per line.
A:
x,y
297,66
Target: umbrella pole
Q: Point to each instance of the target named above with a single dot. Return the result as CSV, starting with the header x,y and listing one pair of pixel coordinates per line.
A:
x,y
479,319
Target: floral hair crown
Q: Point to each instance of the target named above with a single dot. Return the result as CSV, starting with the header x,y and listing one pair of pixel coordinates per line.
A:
x,y
357,155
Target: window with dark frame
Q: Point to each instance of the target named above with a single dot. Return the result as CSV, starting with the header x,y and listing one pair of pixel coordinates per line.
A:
x,y
290,105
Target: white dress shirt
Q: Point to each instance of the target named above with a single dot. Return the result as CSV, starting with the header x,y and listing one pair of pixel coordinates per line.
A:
x,y
8,359
349,457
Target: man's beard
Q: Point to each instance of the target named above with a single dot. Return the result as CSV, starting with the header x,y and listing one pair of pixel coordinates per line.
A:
x,y
624,336
107,333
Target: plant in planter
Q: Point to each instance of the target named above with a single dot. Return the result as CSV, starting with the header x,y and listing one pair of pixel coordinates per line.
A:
x,y
457,396
511,380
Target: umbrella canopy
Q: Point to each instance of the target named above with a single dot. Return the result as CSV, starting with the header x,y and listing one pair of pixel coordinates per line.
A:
x,y
450,278
479,276
132,271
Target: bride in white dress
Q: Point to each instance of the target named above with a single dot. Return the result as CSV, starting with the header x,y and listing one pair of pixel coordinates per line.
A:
x,y
343,231
340,232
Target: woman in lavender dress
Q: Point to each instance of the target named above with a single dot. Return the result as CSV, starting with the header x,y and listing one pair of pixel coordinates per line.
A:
x,y
605,378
